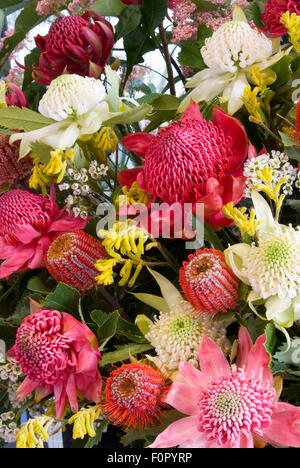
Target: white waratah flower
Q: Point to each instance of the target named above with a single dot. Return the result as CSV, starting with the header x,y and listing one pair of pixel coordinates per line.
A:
x,y
272,267
279,162
229,54
71,94
176,335
235,45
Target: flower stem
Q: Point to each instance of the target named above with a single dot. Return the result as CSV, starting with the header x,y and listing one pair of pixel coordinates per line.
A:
x,y
167,57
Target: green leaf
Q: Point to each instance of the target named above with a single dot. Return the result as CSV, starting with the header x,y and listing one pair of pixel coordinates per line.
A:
x,y
64,299
190,54
144,323
124,352
8,3
270,332
283,72
131,331
203,5
36,285
98,437
128,117
31,60
136,45
254,12
154,12
156,302
293,153
23,119
2,19
129,20
164,109
107,327
292,356
109,7
42,150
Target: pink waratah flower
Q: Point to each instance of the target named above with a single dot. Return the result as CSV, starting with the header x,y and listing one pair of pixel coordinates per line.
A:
x,y
74,44
29,223
58,354
273,11
14,96
192,161
229,407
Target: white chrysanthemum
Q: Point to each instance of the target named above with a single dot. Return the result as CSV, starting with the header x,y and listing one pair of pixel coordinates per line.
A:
x,y
176,335
273,268
235,45
71,94
281,169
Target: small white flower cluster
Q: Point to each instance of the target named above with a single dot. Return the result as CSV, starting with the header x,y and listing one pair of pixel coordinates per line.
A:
x,y
281,169
8,428
79,201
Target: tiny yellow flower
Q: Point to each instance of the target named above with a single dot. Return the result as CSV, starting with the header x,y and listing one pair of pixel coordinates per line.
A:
x,y
106,140
252,104
133,196
84,422
34,433
246,224
292,22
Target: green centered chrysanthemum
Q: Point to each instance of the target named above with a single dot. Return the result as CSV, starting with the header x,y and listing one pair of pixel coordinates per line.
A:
x,y
273,268
177,334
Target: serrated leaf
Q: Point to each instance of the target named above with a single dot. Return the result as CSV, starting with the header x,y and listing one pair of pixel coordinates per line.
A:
x,y
36,285
270,332
42,150
292,356
254,11
64,299
124,352
98,437
22,119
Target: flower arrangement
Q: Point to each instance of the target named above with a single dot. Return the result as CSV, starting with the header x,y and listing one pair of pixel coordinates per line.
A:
x,y
149,224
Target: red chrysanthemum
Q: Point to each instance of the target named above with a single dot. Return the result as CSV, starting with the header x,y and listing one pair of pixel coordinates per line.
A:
x,y
71,259
29,223
133,395
12,170
57,354
191,161
273,11
208,283
74,44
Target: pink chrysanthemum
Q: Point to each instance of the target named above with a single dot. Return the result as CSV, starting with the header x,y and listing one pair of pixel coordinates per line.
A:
x,y
228,407
192,160
12,170
58,355
133,394
208,283
71,259
28,225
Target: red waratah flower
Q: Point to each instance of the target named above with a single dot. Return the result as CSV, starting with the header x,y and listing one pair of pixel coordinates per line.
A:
x,y
59,355
14,96
208,283
29,223
12,170
74,44
273,11
132,395
71,259
193,160
229,406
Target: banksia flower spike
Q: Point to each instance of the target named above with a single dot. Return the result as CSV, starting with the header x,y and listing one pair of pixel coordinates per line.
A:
x,y
71,259
208,283
133,395
12,170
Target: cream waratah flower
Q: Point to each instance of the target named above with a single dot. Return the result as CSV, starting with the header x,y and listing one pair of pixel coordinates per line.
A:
x,y
271,267
178,330
229,54
71,95
77,106
177,334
